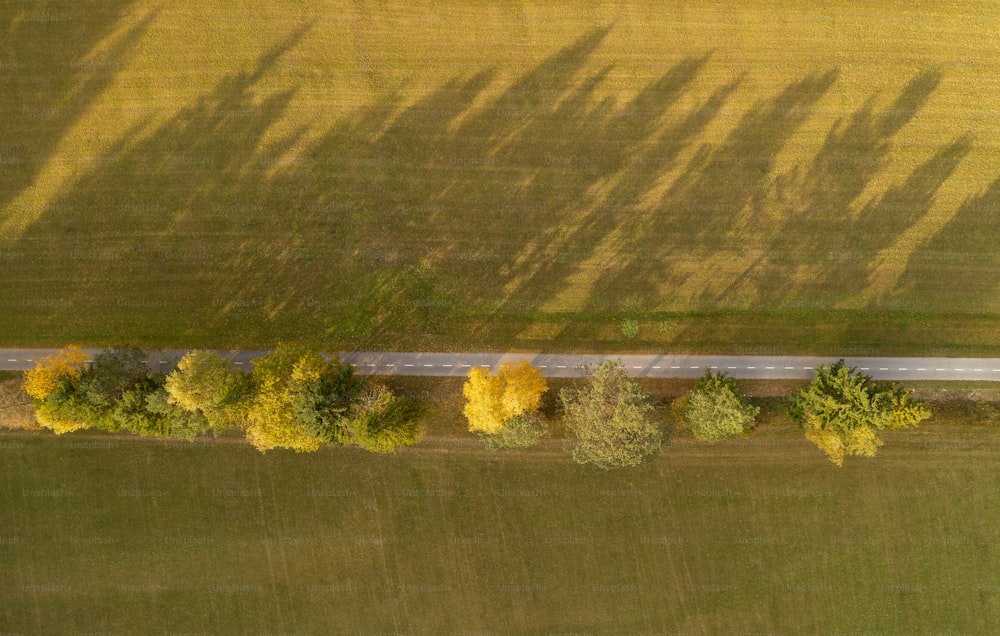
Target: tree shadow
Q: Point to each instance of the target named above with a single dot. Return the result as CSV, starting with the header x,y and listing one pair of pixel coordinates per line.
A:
x,y
823,250
464,216
959,266
49,79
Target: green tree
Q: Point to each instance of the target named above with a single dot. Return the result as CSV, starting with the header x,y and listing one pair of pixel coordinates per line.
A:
x,y
382,422
322,400
518,432
611,417
207,384
842,411
715,409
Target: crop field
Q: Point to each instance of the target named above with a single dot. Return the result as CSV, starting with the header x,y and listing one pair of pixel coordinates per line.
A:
x,y
751,176
113,534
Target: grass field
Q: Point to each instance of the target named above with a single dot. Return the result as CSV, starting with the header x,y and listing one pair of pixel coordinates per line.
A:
x,y
112,534
734,176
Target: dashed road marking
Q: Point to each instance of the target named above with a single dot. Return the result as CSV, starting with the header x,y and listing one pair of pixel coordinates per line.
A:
x,y
428,365
409,365
675,367
390,365
939,369
902,369
656,367
751,367
768,367
786,368
919,369
445,365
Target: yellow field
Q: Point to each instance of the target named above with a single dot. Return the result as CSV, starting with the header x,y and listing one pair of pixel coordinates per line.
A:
x,y
502,175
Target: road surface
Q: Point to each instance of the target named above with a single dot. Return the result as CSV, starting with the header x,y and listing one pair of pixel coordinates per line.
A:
x,y
569,365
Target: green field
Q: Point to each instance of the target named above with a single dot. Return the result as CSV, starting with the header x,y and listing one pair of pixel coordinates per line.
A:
x,y
113,534
738,177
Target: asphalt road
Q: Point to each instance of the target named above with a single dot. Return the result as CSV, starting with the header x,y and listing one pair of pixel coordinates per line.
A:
x,y
567,365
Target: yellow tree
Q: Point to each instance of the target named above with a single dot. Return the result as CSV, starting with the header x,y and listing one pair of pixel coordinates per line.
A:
x,y
278,377
494,399
42,380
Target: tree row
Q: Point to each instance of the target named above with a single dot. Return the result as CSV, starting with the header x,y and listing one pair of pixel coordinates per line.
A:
x,y
296,398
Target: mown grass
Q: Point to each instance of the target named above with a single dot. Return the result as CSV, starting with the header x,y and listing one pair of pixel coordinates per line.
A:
x,y
115,534
506,176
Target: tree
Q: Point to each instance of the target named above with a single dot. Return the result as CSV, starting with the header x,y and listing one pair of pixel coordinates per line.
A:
x,y
842,411
383,422
492,400
715,409
518,432
44,378
322,399
611,417
277,378
146,410
207,384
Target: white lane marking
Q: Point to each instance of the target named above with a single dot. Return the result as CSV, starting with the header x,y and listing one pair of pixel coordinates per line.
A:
x,y
464,365
727,367
864,368
996,370
676,367
390,365
714,367
239,363
789,367
883,368
939,369
977,369
919,369
694,367
656,367
959,369
163,361
751,367
902,369
372,365
409,365
543,366
428,365
445,365
9,360
636,367
808,368
768,367
560,366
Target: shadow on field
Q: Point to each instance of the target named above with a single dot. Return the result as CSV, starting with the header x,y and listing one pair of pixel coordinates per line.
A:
x,y
49,77
961,263
473,213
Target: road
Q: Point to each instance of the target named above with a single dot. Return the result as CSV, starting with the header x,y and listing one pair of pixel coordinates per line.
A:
x,y
569,365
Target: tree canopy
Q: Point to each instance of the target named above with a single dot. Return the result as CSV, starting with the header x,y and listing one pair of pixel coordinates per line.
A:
x,y
842,411
715,409
611,418
494,399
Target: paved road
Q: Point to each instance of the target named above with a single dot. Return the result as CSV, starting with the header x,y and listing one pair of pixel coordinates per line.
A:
x,y
566,365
